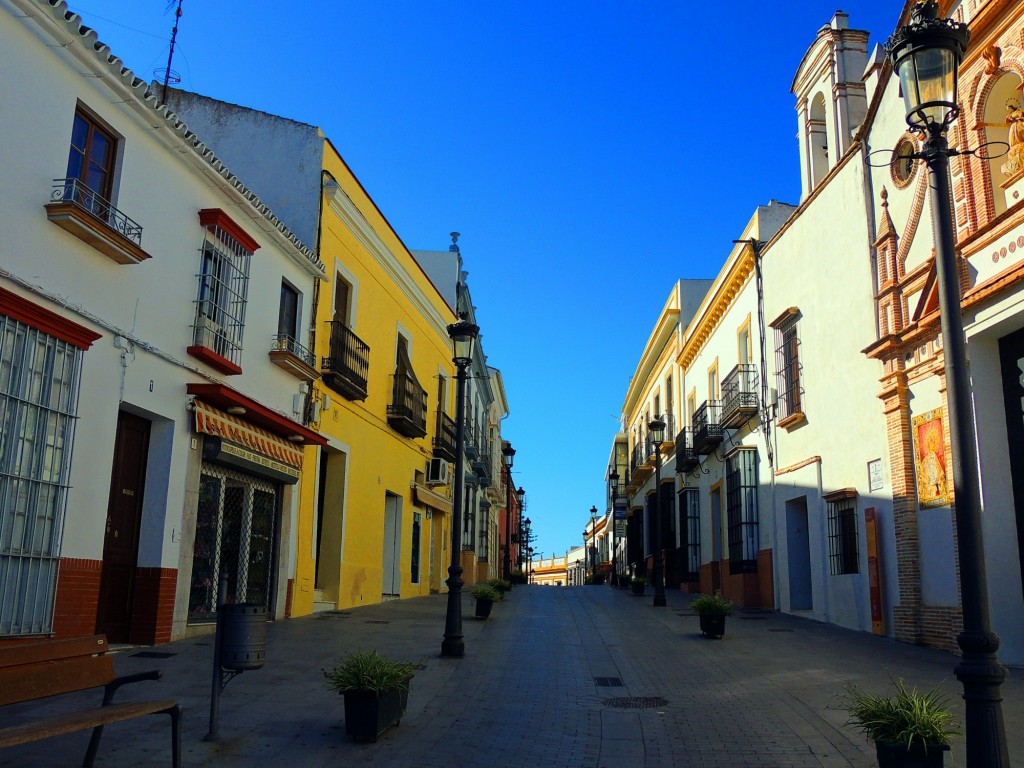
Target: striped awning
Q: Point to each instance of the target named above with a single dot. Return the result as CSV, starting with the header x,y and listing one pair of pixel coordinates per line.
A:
x,y
211,421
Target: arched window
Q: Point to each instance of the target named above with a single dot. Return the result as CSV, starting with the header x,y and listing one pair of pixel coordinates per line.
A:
x,y
817,139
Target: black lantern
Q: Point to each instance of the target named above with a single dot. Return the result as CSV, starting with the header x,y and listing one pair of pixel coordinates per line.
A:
x,y
508,454
463,333
926,56
657,430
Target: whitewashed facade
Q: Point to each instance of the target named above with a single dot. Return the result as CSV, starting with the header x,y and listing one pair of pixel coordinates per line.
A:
x,y
170,280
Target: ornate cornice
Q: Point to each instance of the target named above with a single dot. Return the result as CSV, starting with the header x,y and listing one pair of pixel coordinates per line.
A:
x,y
725,296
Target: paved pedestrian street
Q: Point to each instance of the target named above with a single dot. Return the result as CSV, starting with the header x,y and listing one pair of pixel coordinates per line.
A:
x,y
581,676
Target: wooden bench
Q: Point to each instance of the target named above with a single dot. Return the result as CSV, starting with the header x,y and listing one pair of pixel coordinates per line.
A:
x,y
39,670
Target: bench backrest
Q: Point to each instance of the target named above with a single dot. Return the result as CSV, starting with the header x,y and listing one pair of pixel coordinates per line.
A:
x,y
37,670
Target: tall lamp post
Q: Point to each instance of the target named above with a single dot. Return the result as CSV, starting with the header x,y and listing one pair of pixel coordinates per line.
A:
x,y
463,334
657,431
926,55
593,545
613,484
521,498
508,453
525,548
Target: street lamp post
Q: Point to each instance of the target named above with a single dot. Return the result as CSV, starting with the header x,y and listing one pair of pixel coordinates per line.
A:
x,y
520,497
507,455
463,334
613,480
593,545
657,431
926,55
524,545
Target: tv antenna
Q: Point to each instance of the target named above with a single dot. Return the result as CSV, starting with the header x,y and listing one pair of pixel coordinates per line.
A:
x,y
168,75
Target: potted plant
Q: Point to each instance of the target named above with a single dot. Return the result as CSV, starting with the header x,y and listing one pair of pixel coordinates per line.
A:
x,y
500,584
712,610
376,691
517,577
910,729
638,584
624,582
486,596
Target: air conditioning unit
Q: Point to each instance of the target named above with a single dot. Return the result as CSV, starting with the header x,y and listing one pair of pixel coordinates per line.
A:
x,y
208,334
437,472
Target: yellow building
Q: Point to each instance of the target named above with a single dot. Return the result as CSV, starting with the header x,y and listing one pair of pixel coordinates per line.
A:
x,y
375,500
379,528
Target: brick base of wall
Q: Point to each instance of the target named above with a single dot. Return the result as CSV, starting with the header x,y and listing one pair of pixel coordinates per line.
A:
x,y
934,626
78,593
747,590
288,598
153,605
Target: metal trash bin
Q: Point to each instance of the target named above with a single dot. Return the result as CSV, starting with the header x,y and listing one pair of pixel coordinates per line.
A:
x,y
243,636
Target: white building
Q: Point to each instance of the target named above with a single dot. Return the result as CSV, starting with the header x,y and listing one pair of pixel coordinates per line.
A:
x,y
153,371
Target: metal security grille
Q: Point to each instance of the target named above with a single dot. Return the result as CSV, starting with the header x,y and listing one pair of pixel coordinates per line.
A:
x,y
741,509
689,531
39,379
221,299
236,526
787,367
842,536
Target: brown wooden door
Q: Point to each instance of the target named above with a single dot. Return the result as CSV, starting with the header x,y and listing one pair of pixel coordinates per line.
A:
x,y
121,541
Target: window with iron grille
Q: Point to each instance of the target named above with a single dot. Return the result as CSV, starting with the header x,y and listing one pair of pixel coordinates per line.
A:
x,y
39,381
689,532
787,367
842,534
741,510
223,287
236,524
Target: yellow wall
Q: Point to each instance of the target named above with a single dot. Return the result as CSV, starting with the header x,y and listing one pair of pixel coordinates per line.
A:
x,y
368,459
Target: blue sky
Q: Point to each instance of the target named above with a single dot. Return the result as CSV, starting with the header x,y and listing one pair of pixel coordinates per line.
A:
x,y
590,153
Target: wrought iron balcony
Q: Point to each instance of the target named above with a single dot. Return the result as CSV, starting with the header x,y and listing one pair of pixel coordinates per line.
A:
x,y
686,459
348,364
481,463
407,414
707,427
739,395
444,437
287,353
670,433
94,220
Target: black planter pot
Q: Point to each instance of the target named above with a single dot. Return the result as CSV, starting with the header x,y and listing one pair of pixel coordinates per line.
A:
x,y
712,625
368,714
623,584
915,756
483,608
638,587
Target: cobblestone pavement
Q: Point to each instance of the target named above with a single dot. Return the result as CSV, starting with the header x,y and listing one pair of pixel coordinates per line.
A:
x,y
538,687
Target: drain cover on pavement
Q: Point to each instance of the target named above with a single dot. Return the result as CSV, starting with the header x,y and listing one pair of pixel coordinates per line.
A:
x,y
608,682
635,702
154,654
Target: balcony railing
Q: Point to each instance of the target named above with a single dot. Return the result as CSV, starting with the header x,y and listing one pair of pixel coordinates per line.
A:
x,y
739,395
641,452
686,459
444,437
287,353
481,463
348,364
94,220
407,414
74,191
707,427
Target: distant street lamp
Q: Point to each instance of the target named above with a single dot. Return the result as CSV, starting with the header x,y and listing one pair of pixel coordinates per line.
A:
x,y
593,545
613,483
926,55
508,453
657,433
520,497
524,545
463,335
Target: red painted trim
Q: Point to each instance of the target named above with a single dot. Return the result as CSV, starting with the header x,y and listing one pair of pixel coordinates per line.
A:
x,y
215,217
224,397
23,310
214,360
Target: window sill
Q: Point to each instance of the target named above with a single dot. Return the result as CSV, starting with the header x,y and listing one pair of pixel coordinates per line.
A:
x,y
94,231
214,360
793,421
